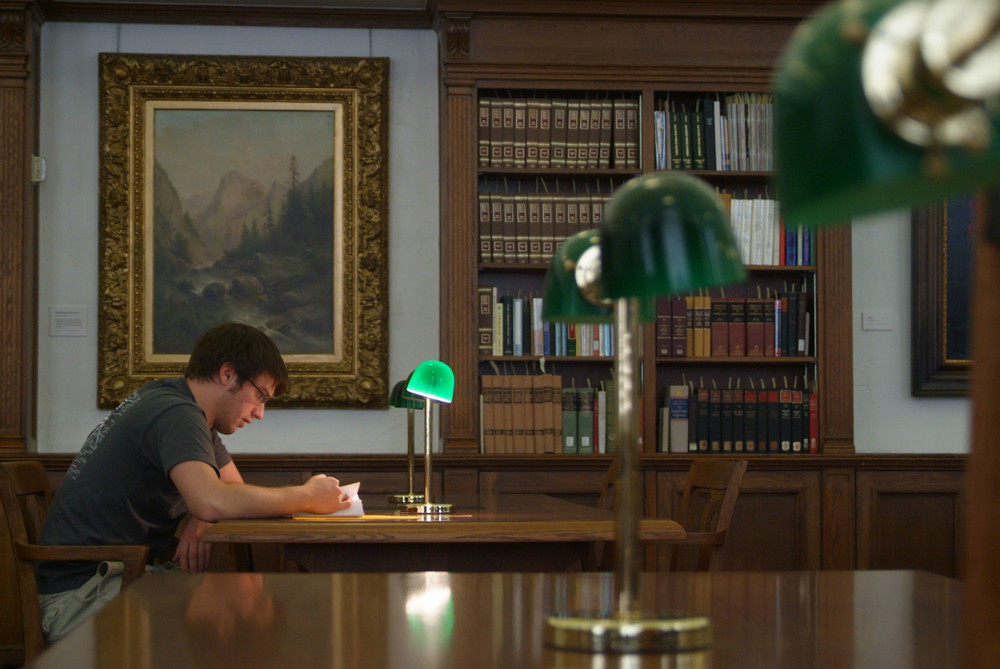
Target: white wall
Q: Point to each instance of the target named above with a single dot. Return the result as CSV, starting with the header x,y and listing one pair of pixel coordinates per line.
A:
x,y
68,212
887,419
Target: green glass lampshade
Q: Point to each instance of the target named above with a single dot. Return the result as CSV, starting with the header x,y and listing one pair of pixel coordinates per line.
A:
x,y
564,299
835,157
432,379
401,399
666,233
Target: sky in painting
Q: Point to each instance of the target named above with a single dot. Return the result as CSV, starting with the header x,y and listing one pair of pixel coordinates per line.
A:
x,y
198,146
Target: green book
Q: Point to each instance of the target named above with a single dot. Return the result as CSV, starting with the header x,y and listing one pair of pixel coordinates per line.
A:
x,y
569,442
585,419
611,436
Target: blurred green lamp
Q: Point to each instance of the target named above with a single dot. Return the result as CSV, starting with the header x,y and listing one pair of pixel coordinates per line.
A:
x,y
662,234
572,283
431,380
883,104
892,104
401,399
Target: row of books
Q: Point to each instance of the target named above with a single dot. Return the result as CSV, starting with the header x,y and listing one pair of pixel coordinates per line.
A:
x,y
762,236
727,420
513,325
528,227
730,134
697,326
558,132
700,326
534,413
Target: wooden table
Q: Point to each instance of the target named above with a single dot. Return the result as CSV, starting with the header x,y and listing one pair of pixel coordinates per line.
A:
x,y
527,532
869,619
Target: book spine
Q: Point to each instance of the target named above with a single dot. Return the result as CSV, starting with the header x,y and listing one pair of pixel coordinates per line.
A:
x,y
719,327
585,419
750,421
727,417
715,420
569,421
678,418
487,301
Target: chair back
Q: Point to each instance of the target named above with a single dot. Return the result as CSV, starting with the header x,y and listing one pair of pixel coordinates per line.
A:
x,y
34,495
20,616
706,509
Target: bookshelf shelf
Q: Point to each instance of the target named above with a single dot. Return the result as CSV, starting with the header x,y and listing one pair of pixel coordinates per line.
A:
x,y
582,359
670,64
738,360
560,173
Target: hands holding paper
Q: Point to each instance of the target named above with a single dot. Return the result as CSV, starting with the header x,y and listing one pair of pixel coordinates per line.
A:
x,y
350,503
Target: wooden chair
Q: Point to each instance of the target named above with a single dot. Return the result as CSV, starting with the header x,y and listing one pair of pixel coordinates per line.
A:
x,y
706,509
24,502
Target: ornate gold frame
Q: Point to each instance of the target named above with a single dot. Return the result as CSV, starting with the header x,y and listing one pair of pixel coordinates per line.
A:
x,y
131,85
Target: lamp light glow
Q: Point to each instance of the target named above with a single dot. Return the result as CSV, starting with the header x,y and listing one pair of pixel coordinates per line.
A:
x,y
434,380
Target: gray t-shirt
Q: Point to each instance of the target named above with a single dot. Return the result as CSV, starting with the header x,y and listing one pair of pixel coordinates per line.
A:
x,y
118,489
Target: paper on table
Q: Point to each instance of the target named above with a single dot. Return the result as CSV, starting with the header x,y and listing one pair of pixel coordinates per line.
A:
x,y
354,510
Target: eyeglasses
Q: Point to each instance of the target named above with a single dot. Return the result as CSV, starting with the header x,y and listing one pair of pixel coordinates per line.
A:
x,y
264,397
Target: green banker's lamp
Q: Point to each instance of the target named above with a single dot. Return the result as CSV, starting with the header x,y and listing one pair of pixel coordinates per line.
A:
x,y
431,380
661,234
401,399
890,104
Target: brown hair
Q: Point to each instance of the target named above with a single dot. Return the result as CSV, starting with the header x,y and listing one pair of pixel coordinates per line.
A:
x,y
250,351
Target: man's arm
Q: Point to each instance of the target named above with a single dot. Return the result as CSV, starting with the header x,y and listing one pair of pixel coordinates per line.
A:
x,y
193,553
211,499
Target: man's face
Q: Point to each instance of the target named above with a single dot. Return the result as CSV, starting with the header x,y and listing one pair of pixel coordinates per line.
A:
x,y
241,405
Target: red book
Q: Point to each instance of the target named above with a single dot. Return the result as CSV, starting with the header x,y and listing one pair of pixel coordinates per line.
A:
x,y
769,328
773,422
664,327
813,423
719,326
679,316
755,327
737,327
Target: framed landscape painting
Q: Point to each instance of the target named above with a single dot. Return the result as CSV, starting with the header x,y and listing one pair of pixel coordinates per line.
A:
x,y
248,189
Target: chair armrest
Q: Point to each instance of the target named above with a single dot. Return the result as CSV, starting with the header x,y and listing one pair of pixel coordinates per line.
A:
x,y
699,539
134,557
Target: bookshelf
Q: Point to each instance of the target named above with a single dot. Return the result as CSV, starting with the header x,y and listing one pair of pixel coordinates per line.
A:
x,y
496,181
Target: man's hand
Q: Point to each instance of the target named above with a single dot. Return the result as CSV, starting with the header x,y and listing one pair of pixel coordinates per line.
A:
x,y
193,552
325,495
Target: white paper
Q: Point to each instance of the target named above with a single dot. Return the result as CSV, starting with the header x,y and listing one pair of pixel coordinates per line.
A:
x,y
355,509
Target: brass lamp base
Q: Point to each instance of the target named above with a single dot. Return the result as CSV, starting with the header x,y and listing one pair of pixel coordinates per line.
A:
x,y
596,634
405,499
432,509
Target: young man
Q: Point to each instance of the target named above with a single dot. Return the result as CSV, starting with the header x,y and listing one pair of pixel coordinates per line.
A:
x,y
158,457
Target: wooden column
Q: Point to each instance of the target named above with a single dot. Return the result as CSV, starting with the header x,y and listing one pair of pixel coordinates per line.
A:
x,y
834,338
19,38
459,245
981,612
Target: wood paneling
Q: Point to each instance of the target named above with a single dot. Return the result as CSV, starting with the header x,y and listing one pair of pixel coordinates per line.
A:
x,y
910,519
